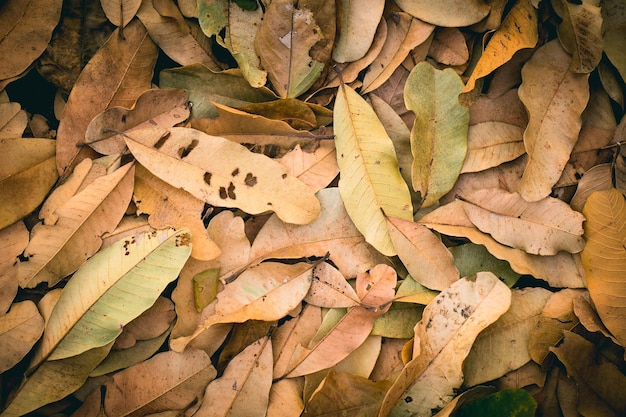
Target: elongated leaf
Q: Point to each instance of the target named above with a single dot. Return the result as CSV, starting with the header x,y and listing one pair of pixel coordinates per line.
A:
x,y
490,144
267,292
544,227
20,329
26,177
439,134
604,258
58,250
183,157
168,381
163,108
357,28
131,274
25,30
243,389
449,13
54,380
518,31
427,259
555,98
116,75
614,28
176,36
445,335
581,35
370,182
283,42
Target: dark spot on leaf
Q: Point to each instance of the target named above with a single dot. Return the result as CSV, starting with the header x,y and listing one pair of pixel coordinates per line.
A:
x,y
408,399
162,140
207,178
235,172
223,194
123,118
284,176
250,180
231,191
183,152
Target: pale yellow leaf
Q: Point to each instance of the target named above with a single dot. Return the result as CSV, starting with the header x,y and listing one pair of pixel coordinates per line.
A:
x,y
370,185
239,178
448,13
317,169
58,250
544,227
244,387
330,289
555,98
359,20
490,144
423,254
444,336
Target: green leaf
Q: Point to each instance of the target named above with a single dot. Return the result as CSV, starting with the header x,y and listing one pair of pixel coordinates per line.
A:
x,y
472,258
439,134
509,403
370,183
112,288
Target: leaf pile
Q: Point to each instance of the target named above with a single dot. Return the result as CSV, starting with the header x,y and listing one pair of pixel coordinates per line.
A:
x,y
315,207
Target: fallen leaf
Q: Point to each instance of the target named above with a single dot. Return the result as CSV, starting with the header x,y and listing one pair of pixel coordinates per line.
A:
x,y
316,169
172,207
13,121
243,389
266,292
555,98
252,182
285,37
163,108
176,36
20,329
285,398
581,35
427,259
613,29
518,31
330,289
132,273
490,144
598,383
445,335
471,258
57,250
449,47
448,13
439,134
167,381
26,31
120,12
26,177
545,227
371,186
503,346
357,27
604,257
13,241
123,70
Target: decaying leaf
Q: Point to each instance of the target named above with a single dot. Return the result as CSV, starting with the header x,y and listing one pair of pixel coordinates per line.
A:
x,y
555,97
20,328
371,186
120,12
604,257
240,178
443,339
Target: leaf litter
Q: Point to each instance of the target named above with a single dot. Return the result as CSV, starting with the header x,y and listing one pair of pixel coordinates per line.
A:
x,y
286,208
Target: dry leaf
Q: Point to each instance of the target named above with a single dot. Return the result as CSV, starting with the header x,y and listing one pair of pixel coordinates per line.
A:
x,y
371,186
57,250
316,169
555,98
20,329
604,257
13,241
240,178
357,27
449,13
120,12
545,227
449,47
330,289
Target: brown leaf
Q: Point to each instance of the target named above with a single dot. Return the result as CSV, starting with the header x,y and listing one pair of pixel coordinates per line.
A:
x,y
449,47
115,76
120,12
20,329
57,250
357,28
13,241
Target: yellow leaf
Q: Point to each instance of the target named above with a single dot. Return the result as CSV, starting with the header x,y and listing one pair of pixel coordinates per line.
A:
x,y
184,158
357,28
604,258
555,98
518,31
490,144
370,182
25,178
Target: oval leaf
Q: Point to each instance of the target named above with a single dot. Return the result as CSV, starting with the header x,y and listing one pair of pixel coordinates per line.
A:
x,y
185,158
449,13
